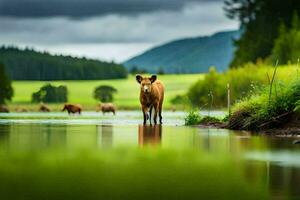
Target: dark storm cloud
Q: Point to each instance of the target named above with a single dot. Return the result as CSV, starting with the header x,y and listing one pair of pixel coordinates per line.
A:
x,y
86,8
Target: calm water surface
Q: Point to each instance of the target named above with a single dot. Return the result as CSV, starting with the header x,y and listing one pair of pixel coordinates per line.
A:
x,y
273,163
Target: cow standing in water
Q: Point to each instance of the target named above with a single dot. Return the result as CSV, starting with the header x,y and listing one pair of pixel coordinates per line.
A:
x,y
151,96
106,108
72,108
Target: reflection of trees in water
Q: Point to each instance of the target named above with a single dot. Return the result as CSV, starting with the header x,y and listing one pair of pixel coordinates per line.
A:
x,y
105,136
56,135
4,136
284,181
33,136
150,135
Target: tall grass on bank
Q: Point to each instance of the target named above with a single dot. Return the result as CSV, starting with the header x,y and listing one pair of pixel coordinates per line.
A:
x,y
268,108
243,82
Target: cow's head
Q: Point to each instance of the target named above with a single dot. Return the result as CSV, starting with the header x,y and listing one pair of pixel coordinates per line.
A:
x,y
146,82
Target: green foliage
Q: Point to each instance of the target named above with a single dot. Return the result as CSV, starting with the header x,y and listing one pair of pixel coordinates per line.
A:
x,y
260,27
192,118
210,119
261,111
104,93
287,45
51,94
31,65
6,90
179,100
243,82
202,92
135,70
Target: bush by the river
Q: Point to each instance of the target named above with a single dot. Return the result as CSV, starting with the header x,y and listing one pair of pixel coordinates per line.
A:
x,y
51,94
269,108
211,91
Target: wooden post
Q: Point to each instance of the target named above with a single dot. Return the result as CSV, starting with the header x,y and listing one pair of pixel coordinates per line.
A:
x,y
228,99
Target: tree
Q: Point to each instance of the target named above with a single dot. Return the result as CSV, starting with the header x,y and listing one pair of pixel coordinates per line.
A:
x,y
259,21
104,93
287,45
6,90
51,94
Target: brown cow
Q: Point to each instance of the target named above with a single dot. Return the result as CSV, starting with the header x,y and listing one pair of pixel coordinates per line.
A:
x,y
44,108
73,108
106,107
21,110
4,109
151,95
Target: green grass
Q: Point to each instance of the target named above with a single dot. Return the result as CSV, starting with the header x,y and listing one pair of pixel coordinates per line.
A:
x,y
126,98
243,82
264,111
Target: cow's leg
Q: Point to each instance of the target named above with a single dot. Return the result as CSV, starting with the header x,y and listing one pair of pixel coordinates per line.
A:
x,y
155,114
150,114
159,113
145,115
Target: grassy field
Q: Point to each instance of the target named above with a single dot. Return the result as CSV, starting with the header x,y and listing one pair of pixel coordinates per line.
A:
x,y
82,91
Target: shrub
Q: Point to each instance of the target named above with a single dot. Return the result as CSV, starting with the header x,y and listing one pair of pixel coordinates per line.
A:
x,y
104,93
192,118
263,111
244,82
50,94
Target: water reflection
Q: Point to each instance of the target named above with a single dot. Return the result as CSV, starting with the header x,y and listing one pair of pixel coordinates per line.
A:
x,y
149,135
281,176
105,136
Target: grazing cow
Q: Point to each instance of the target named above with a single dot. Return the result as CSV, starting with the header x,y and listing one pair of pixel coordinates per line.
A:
x,y
21,110
4,109
73,108
151,96
106,107
44,108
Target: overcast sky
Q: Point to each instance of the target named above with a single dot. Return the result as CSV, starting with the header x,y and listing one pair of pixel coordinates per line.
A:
x,y
107,29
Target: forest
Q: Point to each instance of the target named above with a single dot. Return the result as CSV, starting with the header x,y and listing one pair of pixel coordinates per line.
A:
x,y
29,64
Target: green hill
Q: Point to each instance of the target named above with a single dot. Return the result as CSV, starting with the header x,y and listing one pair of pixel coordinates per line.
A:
x,y
192,55
28,64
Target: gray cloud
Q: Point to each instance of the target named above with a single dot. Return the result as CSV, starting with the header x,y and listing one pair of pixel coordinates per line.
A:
x,y
155,27
87,8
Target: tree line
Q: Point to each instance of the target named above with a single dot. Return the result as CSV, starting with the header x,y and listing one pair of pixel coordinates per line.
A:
x,y
29,64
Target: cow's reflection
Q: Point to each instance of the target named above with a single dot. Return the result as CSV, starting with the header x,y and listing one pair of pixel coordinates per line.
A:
x,y
149,135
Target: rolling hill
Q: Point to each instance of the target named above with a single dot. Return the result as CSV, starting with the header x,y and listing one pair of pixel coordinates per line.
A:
x,y
191,55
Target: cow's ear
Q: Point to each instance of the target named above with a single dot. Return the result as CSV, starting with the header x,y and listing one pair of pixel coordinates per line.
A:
x,y
138,78
153,78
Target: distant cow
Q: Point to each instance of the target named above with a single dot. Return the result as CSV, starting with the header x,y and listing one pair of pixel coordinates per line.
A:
x,y
4,109
106,107
21,110
72,108
151,95
44,108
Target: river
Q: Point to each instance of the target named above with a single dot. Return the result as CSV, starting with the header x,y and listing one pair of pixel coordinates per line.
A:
x,y
213,163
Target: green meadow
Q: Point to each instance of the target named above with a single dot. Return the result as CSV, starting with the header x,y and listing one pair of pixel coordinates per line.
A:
x,y
81,92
